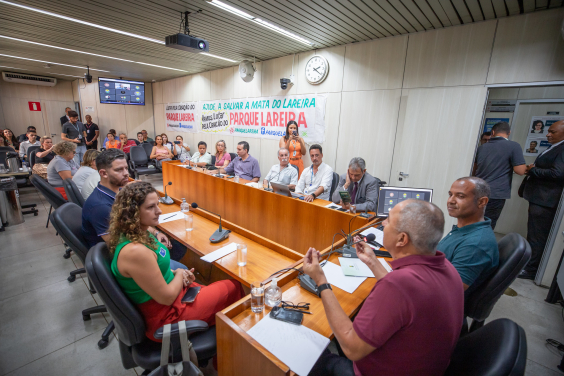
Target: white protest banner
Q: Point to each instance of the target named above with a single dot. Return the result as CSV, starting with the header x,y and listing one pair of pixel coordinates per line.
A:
x,y
182,117
266,117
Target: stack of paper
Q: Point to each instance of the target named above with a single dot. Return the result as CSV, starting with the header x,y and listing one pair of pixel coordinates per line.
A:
x,y
163,218
219,253
336,277
353,267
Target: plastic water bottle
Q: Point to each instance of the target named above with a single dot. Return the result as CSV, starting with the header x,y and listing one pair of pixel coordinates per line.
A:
x,y
273,294
188,219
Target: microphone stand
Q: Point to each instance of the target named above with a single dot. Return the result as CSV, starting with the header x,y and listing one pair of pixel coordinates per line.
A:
x,y
220,234
348,250
166,200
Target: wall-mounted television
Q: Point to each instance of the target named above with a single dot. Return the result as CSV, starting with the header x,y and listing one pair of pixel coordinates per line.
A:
x,y
115,91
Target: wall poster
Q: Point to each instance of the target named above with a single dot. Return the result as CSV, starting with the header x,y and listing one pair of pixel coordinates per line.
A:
x,y
182,117
536,139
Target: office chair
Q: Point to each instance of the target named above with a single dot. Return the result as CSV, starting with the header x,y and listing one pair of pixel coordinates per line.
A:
x,y
233,156
213,160
30,149
514,253
136,349
136,142
139,162
65,221
73,193
296,167
32,157
497,349
334,184
148,149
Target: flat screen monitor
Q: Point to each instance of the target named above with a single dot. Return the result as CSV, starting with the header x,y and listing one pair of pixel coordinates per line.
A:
x,y
390,196
115,91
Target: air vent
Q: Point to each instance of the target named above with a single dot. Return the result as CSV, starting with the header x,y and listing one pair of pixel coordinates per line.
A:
x,y
28,79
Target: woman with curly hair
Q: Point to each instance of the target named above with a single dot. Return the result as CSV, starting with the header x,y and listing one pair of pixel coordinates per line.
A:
x,y
141,265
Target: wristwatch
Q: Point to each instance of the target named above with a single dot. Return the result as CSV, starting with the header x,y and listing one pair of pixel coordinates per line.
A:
x,y
314,196
322,287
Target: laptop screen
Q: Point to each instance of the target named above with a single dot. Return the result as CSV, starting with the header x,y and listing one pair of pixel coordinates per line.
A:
x,y
391,196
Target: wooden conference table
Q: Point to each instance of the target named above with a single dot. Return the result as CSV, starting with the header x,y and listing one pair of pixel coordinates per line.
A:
x,y
278,231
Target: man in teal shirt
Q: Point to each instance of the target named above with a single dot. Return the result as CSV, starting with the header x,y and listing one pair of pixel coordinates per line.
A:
x,y
471,246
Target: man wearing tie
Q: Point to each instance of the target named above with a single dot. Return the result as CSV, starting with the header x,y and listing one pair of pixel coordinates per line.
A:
x,y
362,187
543,188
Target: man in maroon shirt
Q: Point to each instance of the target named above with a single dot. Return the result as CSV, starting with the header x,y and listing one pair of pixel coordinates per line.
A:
x,y
410,322
125,144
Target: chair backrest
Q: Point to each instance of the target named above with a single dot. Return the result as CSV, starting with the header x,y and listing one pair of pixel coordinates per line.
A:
x,y
130,325
213,160
514,253
148,149
138,155
6,148
73,193
67,221
30,149
497,349
334,184
3,157
296,167
233,156
32,158
52,196
136,142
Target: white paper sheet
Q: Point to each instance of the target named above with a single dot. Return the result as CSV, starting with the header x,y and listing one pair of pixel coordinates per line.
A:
x,y
336,277
355,267
385,264
295,345
169,217
217,254
378,233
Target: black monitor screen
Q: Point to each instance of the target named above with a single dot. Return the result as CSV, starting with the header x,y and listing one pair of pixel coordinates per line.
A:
x,y
117,91
391,196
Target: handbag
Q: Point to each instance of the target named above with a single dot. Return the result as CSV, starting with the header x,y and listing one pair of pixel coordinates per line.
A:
x,y
522,187
189,364
40,169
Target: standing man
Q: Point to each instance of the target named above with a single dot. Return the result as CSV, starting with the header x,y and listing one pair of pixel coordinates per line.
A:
x,y
496,160
245,166
92,133
74,131
65,118
283,173
31,141
315,181
543,188
362,187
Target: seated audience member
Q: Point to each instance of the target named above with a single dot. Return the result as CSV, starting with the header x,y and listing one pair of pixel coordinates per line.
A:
x,y
222,157
63,166
146,137
23,137
88,167
143,268
92,133
181,150
140,138
4,142
31,141
113,172
411,320
43,157
11,140
125,144
167,144
471,246
245,166
112,131
90,184
283,173
160,152
315,181
112,143
202,157
362,187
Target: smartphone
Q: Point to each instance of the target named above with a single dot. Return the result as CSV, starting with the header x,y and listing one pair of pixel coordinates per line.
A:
x,y
341,209
295,133
345,197
191,294
292,317
230,176
177,142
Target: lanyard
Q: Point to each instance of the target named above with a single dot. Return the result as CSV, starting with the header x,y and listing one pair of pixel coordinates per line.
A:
x,y
311,183
75,126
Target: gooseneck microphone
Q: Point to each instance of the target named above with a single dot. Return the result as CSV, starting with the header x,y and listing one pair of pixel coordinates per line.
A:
x,y
348,249
166,200
219,234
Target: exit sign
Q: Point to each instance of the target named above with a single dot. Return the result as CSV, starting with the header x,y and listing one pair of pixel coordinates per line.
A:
x,y
34,106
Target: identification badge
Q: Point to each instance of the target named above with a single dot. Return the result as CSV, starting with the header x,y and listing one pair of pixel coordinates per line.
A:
x,y
293,155
162,252
90,130
80,137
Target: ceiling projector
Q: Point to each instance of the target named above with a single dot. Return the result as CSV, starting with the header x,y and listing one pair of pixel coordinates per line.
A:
x,y
187,42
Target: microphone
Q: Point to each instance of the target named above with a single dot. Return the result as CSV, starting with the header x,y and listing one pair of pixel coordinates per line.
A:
x,y
348,250
219,234
272,178
166,200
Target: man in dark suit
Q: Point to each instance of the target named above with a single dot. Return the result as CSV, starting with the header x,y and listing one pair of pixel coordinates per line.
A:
x,y
362,187
65,119
543,188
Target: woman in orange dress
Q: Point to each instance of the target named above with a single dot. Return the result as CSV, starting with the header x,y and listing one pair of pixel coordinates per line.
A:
x,y
295,144
112,143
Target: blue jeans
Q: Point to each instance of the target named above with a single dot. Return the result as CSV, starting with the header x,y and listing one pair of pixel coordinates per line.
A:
x,y
177,265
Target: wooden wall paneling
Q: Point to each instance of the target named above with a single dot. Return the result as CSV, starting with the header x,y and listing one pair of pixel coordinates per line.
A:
x,y
268,156
222,83
137,119
334,82
89,98
53,112
231,145
75,91
170,92
275,69
242,89
63,91
157,88
112,116
376,64
449,57
528,48
183,89
2,121
160,120
370,135
200,85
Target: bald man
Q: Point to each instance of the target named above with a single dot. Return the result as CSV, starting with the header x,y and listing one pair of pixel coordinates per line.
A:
x,y
543,188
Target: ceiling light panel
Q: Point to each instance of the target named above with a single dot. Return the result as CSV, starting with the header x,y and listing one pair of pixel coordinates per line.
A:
x,y
50,62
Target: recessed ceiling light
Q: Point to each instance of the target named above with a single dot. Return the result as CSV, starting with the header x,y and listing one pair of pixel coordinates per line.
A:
x,y
218,57
231,9
3,66
88,53
50,62
69,75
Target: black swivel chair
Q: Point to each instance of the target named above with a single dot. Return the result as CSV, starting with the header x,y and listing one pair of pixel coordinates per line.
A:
x,y
135,348
73,193
30,149
139,162
32,157
334,184
213,160
148,149
65,221
497,349
233,156
296,167
514,253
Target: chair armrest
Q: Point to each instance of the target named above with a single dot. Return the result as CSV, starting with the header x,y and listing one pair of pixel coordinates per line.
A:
x,y
192,326
132,164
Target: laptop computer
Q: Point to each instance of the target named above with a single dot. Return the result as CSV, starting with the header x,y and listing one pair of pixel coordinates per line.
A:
x,y
283,190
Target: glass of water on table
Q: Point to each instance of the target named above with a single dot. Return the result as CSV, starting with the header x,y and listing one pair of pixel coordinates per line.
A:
x,y
257,297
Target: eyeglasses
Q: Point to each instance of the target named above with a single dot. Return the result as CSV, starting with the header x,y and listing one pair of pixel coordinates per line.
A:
x,y
301,305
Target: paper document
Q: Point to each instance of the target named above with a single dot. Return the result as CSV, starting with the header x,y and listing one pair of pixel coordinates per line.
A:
x,y
378,233
217,254
333,206
254,185
385,264
354,267
295,345
163,218
336,277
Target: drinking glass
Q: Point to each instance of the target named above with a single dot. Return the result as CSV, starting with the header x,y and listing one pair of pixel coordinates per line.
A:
x,y
189,221
236,179
241,254
352,209
257,297
265,184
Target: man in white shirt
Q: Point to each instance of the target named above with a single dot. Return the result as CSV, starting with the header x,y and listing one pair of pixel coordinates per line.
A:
x,y
203,157
31,141
283,173
316,180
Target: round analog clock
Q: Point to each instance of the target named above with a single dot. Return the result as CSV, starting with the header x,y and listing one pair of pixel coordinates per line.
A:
x,y
316,69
